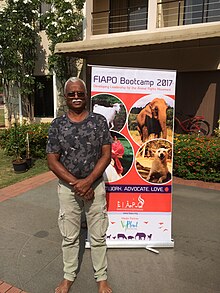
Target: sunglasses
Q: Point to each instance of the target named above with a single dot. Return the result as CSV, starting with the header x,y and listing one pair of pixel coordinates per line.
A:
x,y
73,94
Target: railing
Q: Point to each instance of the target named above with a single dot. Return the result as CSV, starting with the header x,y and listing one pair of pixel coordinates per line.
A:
x,y
169,13
123,20
100,22
175,13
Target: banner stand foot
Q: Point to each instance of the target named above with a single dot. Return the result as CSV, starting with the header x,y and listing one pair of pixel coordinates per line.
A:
x,y
152,249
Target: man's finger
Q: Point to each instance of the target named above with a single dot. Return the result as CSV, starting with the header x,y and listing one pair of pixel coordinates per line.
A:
x,y
89,194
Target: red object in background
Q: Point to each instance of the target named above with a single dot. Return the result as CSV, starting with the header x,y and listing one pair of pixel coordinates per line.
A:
x,y
117,152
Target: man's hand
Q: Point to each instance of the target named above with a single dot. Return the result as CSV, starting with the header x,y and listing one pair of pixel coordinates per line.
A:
x,y
89,194
81,186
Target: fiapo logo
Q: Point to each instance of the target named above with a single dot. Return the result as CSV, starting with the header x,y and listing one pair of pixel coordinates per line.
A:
x,y
129,225
131,205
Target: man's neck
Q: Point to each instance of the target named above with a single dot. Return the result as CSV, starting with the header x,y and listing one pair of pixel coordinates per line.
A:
x,y
77,116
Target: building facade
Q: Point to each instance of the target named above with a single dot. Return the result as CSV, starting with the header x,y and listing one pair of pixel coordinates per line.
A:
x,y
177,35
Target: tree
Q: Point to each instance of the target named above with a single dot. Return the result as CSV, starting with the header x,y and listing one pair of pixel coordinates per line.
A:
x,y
18,39
63,23
19,28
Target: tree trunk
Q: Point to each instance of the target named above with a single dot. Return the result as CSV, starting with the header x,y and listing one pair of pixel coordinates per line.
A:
x,y
8,103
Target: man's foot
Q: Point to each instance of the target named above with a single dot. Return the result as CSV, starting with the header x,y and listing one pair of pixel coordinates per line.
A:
x,y
104,287
64,286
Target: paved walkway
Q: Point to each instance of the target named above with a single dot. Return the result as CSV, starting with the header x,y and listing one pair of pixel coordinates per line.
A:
x,y
24,186
37,181
15,190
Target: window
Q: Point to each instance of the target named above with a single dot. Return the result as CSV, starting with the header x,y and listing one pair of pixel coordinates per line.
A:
x,y
43,96
198,11
127,15
213,10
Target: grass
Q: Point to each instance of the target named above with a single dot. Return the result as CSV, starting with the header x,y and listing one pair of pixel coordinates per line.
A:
x,y
2,119
8,176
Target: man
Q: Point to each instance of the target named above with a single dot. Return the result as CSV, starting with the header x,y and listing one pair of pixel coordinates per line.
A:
x,y
78,152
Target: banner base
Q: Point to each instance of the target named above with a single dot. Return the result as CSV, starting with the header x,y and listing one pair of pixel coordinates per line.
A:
x,y
137,244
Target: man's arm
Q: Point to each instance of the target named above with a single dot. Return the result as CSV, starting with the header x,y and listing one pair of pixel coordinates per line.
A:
x,y
58,169
102,163
62,173
82,185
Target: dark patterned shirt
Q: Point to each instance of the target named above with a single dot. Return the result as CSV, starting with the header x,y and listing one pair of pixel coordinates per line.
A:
x,y
78,143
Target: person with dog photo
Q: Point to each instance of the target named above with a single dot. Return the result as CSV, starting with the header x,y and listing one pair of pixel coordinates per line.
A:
x,y
78,152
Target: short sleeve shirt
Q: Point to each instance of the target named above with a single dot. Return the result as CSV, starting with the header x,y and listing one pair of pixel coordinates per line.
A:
x,y
78,143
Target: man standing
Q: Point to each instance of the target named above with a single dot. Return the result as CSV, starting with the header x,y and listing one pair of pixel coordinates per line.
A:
x,y
78,152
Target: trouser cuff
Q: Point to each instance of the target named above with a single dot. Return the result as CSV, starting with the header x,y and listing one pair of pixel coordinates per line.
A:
x,y
102,278
69,277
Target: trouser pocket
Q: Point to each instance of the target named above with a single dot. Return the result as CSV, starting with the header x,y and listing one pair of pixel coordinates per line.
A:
x,y
104,224
69,213
61,223
69,225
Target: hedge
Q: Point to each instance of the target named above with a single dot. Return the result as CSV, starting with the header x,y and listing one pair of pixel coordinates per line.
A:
x,y
14,139
197,157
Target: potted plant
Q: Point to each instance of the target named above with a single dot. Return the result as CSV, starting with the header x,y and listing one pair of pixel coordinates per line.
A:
x,y
19,164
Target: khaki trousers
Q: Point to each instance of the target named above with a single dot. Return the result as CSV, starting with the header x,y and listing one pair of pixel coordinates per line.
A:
x,y
69,221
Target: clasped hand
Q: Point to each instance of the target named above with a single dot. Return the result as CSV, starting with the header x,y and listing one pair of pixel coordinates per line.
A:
x,y
82,187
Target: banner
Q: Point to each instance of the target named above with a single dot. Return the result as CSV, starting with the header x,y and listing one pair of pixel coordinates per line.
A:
x,y
139,107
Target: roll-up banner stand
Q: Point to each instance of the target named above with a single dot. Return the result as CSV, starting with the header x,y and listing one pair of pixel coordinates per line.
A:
x,y
138,104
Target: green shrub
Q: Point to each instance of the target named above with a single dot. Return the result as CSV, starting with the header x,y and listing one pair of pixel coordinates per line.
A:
x,y
217,130
13,140
197,157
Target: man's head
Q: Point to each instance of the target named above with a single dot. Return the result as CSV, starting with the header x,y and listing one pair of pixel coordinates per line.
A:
x,y
75,93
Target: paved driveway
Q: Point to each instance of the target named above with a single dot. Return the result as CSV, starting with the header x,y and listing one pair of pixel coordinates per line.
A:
x,y
31,258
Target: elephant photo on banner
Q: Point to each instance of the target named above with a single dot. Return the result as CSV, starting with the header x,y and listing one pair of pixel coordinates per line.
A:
x,y
150,119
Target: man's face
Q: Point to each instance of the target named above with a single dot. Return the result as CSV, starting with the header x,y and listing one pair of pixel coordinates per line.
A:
x,y
75,96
